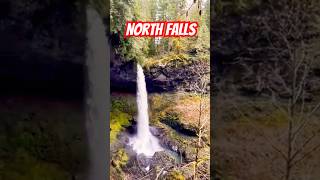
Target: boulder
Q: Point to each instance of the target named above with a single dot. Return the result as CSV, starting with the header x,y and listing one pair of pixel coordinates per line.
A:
x,y
161,77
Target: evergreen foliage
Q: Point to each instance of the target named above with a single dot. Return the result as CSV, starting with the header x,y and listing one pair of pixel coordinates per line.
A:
x,y
140,49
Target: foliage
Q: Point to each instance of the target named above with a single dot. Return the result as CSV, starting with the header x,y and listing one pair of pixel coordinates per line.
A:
x,y
278,56
121,158
175,175
171,59
118,120
122,111
277,118
49,144
138,49
125,104
234,7
26,167
160,102
171,117
177,107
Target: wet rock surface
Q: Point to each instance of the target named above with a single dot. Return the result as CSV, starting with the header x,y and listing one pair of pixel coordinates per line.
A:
x,y
158,78
160,163
184,129
123,76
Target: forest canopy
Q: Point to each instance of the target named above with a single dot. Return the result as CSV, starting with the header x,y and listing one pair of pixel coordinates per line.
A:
x,y
141,49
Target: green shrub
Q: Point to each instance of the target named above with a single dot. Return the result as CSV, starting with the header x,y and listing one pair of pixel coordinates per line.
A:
x,y
118,120
121,114
121,158
125,104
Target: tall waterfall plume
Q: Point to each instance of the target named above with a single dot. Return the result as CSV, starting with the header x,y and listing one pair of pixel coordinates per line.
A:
x,y
97,58
144,142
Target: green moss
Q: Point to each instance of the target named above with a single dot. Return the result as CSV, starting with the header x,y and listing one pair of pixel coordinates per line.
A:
x,y
260,112
26,167
121,113
115,174
118,120
118,161
276,118
175,175
172,119
51,141
172,60
125,104
159,104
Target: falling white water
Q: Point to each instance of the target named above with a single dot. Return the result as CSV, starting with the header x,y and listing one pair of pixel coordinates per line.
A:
x,y
97,58
144,142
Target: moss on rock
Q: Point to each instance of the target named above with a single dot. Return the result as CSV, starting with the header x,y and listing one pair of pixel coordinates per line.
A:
x,y
175,175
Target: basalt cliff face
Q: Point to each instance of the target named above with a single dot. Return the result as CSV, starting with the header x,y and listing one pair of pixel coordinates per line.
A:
x,y
159,78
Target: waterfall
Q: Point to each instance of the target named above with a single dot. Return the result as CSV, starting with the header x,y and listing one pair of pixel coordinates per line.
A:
x,y
142,105
97,101
144,142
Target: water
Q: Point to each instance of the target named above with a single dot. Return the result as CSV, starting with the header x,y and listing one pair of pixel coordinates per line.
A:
x,y
97,58
177,157
144,142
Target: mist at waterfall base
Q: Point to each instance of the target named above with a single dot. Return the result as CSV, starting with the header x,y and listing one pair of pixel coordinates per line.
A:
x,y
143,142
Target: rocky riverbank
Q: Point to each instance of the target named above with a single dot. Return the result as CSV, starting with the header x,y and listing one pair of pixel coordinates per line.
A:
x,y
172,124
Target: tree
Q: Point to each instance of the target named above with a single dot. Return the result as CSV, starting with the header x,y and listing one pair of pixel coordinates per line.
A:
x,y
201,89
290,35
139,49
